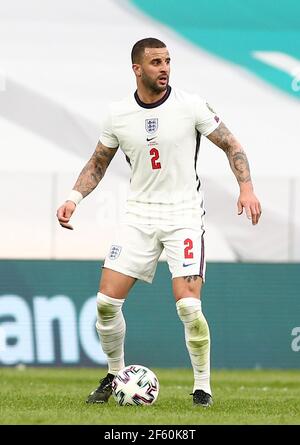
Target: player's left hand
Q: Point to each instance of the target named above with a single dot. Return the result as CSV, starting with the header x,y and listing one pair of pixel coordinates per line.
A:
x,y
248,201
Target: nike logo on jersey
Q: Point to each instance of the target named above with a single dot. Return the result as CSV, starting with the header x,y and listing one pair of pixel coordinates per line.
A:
x,y
150,139
186,265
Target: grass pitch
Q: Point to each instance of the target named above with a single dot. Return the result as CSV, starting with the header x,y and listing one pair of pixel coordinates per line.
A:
x,y
57,397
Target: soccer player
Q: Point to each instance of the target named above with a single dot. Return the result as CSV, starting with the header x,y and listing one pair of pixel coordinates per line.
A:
x,y
159,130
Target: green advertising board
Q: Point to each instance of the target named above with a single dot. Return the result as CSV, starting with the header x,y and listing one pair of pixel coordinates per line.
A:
x,y
48,313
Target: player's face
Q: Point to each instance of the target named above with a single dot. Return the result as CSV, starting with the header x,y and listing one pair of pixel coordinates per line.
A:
x,y
155,69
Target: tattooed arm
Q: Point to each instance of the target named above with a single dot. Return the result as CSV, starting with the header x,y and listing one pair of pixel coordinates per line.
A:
x,y
239,164
89,178
94,170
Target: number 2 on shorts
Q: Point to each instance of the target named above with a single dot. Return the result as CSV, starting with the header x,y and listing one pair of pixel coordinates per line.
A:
x,y
188,249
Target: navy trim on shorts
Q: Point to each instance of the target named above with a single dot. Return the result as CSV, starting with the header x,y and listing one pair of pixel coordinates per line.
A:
x,y
202,256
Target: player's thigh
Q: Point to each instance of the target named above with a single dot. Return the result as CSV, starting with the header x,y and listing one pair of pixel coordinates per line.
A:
x,y
188,286
115,284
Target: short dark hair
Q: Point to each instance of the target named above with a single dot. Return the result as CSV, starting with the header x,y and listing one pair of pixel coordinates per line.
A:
x,y
139,47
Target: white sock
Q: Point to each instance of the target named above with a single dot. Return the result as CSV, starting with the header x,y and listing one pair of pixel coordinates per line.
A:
x,y
111,329
197,340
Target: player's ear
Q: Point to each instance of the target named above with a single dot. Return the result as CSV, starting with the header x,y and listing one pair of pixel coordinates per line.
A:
x,y
137,69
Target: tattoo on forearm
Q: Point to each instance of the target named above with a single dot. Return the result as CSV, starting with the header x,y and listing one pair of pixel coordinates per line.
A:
x,y
94,170
191,278
238,161
240,166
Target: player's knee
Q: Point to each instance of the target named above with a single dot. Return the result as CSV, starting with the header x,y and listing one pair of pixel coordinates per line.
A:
x,y
187,290
113,289
108,289
190,313
187,287
181,294
187,307
105,310
107,307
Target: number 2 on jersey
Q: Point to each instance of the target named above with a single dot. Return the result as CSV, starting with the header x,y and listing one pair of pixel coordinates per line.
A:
x,y
154,160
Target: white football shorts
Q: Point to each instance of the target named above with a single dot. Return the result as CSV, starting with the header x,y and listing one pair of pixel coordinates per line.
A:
x,y
136,249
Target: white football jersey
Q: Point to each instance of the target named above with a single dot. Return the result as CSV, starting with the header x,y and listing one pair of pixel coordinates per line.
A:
x,y
161,143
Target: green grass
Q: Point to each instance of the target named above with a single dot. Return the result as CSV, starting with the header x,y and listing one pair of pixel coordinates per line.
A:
x,y
57,396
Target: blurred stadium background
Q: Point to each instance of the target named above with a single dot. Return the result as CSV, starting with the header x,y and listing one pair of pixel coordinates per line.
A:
x,y
61,63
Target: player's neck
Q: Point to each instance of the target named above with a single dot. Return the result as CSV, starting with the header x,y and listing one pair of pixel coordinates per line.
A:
x,y
148,96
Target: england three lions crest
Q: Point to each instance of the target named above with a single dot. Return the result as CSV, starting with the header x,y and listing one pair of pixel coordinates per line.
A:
x,y
151,125
114,252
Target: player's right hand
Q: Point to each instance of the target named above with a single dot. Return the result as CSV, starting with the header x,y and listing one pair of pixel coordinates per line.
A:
x,y
64,214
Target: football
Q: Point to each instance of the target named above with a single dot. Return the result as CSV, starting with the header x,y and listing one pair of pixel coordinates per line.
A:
x,y
135,385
